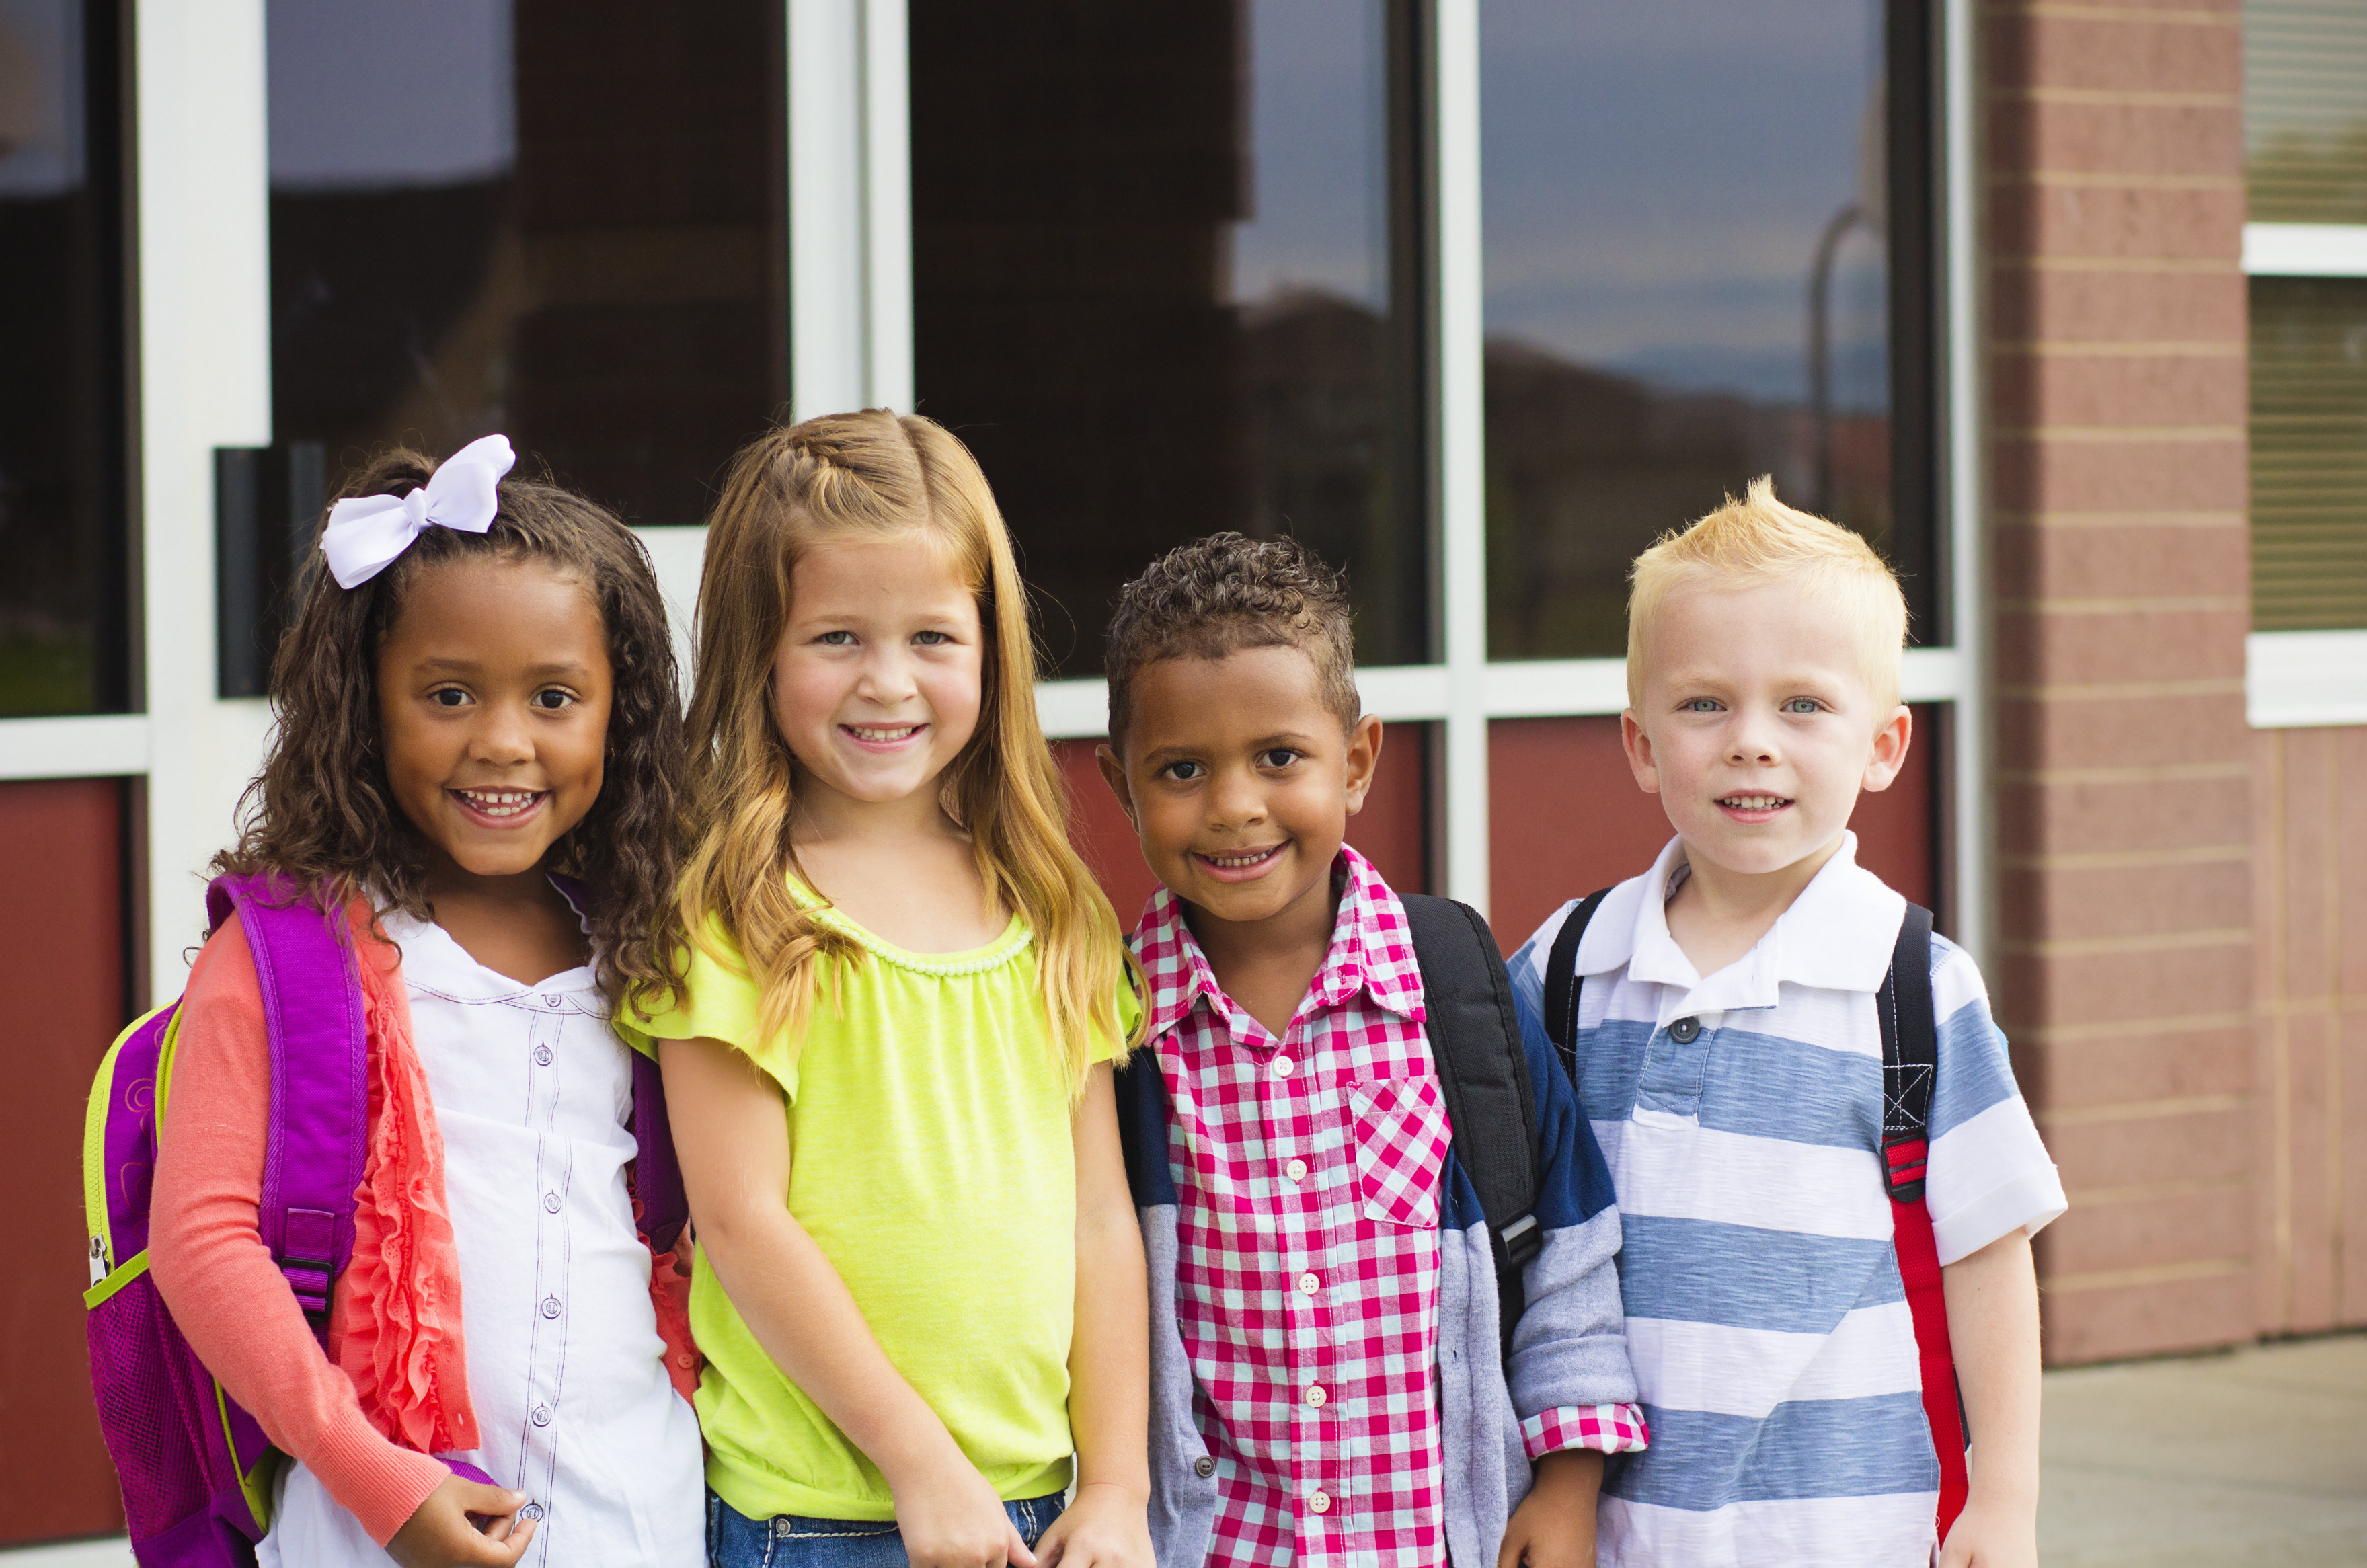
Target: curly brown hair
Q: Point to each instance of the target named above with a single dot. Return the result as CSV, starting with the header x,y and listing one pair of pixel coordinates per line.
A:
x,y
1226,592
321,814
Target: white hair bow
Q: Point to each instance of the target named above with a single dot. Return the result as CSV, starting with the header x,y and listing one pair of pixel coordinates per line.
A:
x,y
365,532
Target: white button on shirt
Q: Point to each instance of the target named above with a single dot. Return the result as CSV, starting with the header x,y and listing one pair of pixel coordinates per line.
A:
x,y
533,1096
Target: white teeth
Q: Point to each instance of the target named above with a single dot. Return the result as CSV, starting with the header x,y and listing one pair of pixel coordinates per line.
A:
x,y
1234,862
1753,802
882,732
500,802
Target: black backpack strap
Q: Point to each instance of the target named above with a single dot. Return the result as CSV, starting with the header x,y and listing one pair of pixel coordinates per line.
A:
x,y
1562,981
1910,1058
1475,1037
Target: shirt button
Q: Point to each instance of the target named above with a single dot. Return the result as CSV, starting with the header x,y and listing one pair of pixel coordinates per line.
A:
x,y
1319,1502
1314,1394
685,1360
550,1306
541,1417
531,1511
1296,1170
550,1202
550,1002
542,1055
1203,1467
1685,1030
1308,1284
1282,1066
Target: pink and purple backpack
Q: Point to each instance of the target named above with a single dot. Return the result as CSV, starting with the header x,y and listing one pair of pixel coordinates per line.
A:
x,y
197,1471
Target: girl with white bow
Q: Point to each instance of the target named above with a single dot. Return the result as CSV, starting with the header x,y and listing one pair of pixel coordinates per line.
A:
x,y
475,767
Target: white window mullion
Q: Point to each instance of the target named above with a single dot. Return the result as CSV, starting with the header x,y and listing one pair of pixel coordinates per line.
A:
x,y
1462,474
1974,803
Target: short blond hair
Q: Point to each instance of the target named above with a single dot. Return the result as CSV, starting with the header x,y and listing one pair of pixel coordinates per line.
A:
x,y
1759,540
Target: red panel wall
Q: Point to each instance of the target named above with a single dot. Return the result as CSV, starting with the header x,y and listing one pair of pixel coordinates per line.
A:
x,y
1390,830
61,969
1565,818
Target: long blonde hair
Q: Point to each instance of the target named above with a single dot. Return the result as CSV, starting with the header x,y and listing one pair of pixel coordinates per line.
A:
x,y
875,475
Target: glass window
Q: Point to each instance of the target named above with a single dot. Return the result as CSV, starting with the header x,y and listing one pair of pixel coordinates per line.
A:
x,y
2309,452
1708,248
561,221
64,605
1166,283
2306,111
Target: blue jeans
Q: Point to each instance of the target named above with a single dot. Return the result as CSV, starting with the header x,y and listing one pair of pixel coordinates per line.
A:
x,y
789,1541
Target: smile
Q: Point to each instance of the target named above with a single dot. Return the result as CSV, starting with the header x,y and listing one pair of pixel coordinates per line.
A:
x,y
882,734
499,806
1753,807
1240,865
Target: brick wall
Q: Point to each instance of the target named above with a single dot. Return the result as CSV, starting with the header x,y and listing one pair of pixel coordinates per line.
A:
x,y
2311,844
2116,320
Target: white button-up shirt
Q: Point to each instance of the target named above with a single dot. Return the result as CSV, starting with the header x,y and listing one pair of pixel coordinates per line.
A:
x,y
533,1094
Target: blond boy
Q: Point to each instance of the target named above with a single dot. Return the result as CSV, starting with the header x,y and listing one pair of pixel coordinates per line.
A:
x,y
1729,1055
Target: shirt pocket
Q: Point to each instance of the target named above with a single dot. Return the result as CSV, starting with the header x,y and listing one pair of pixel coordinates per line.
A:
x,y
1400,1133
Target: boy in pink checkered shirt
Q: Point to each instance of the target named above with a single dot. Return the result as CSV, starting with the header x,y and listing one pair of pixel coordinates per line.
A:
x,y
1329,1382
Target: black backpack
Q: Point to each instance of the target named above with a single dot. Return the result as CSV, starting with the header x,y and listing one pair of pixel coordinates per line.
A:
x,y
1475,1038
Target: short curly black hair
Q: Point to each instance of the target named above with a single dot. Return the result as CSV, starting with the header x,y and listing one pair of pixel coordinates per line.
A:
x,y
1228,591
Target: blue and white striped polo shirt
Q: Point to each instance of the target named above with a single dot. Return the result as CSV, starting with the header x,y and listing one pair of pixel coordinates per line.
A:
x,y
1771,1336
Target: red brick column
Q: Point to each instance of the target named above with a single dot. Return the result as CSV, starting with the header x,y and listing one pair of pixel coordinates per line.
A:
x,y
2118,400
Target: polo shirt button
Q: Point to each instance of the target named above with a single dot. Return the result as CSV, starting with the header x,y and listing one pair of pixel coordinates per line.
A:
x,y
541,1417
1314,1394
1296,1170
1319,1502
550,1202
685,1360
550,1306
1282,1066
542,1055
550,1002
531,1511
1685,1030
1203,1467
1308,1284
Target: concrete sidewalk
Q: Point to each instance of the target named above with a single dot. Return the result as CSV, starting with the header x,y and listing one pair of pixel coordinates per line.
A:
x,y
2244,1459
2255,1457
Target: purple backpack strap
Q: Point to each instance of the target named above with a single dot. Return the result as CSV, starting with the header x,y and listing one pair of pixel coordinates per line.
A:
x,y
657,1178
317,1134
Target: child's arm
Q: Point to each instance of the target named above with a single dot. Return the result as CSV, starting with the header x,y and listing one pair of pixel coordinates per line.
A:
x,y
1993,1330
1109,1356
1569,1375
234,1307
733,1143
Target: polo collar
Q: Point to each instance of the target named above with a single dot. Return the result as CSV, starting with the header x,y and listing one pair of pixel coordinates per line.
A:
x,y
1837,935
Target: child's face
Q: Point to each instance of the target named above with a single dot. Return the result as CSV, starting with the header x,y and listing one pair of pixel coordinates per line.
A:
x,y
1757,728
876,680
1240,782
493,688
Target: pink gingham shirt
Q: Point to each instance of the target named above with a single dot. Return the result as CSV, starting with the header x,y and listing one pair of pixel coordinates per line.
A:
x,y
1308,1175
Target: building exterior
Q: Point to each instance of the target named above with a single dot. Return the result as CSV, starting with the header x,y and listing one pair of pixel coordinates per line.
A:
x,y
2063,305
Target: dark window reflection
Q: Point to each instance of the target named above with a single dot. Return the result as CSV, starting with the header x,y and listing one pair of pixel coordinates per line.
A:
x,y
1165,284
560,219
65,646
1708,245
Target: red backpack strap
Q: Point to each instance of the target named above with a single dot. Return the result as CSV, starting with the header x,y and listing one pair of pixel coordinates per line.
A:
x,y
1910,1062
317,1130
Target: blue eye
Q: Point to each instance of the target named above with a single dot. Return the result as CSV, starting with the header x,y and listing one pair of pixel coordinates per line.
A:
x,y
1803,704
1703,704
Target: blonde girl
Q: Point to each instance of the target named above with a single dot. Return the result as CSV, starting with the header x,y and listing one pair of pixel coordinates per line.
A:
x,y
905,994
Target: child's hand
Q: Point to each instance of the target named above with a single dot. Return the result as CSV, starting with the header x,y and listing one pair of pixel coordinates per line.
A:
x,y
1105,1526
952,1519
1987,1535
1554,1525
439,1535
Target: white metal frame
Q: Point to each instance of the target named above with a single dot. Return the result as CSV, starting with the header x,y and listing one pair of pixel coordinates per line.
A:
x,y
205,381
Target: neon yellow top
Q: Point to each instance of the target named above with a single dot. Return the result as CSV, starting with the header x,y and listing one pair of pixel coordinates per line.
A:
x,y
931,1160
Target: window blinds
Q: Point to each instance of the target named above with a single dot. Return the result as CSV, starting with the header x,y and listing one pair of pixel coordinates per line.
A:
x,y
2309,452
